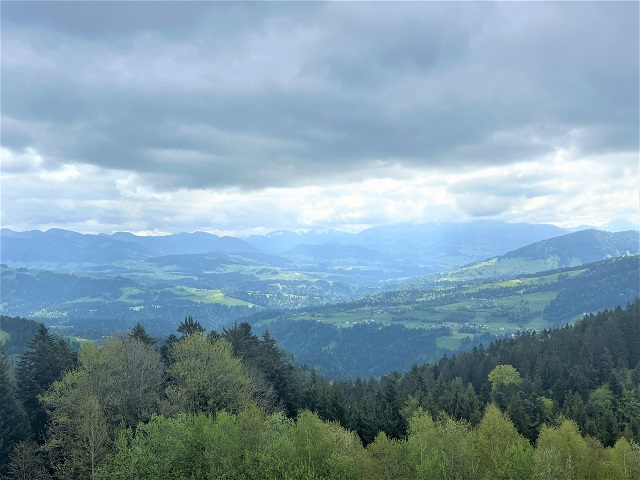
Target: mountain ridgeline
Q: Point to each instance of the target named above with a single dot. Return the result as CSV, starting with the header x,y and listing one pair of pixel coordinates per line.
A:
x,y
405,247
581,247
570,250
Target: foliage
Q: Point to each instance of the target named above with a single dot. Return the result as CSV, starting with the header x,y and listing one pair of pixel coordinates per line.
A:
x,y
117,383
139,333
504,375
189,326
14,423
43,362
554,404
205,377
26,463
495,450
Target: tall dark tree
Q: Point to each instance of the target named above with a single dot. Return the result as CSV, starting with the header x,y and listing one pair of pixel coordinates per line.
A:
x,y
14,424
265,362
139,333
280,373
389,404
189,326
44,362
165,349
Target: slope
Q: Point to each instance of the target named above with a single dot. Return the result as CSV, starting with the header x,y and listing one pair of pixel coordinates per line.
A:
x,y
568,250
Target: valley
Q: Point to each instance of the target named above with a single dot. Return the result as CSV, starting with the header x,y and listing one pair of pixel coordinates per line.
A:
x,y
326,288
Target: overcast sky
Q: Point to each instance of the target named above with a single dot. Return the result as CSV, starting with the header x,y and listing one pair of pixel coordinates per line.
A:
x,y
161,117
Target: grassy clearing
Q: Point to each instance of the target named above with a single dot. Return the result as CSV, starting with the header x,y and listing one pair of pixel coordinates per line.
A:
x,y
129,292
79,340
500,267
87,300
452,342
200,295
274,274
4,337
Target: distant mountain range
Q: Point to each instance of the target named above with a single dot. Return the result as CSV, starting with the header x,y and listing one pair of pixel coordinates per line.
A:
x,y
64,248
429,247
97,283
280,262
406,249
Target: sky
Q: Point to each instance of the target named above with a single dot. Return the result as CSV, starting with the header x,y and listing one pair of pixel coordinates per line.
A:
x,y
247,117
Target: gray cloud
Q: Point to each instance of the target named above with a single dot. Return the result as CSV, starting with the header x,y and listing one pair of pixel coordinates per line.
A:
x,y
274,94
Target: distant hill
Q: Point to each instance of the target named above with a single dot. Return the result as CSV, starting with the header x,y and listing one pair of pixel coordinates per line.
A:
x,y
585,246
572,249
93,306
186,243
279,241
66,250
57,247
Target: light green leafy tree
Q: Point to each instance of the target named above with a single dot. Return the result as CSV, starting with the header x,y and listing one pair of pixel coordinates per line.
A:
x,y
504,375
622,461
422,445
435,447
562,452
495,449
119,382
77,438
390,458
205,377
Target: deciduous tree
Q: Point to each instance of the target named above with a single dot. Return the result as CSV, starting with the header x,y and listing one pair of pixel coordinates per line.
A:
x,y
206,377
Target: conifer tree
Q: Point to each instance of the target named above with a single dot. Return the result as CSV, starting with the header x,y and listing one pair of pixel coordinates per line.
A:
x,y
44,362
14,424
139,333
189,326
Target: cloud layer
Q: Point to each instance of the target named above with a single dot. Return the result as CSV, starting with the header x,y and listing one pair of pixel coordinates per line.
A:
x,y
163,116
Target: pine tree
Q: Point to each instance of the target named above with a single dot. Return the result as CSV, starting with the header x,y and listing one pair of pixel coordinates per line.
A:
x,y
189,326
14,424
165,349
44,361
139,333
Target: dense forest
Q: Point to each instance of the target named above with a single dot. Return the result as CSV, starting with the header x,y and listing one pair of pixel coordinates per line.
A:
x,y
561,403
365,349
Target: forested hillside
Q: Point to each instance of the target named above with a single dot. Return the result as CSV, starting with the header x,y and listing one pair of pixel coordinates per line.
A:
x,y
561,403
570,250
377,334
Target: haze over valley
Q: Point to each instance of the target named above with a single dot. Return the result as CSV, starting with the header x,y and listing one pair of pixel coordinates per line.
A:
x,y
460,284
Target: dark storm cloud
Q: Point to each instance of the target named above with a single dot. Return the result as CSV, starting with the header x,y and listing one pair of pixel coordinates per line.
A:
x,y
265,94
